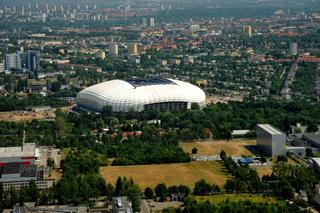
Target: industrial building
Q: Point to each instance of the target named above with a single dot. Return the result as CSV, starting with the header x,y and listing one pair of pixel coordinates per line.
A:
x,y
141,94
271,140
312,138
18,167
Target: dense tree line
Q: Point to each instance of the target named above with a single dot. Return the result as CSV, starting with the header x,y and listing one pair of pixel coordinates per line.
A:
x,y
81,179
305,78
13,102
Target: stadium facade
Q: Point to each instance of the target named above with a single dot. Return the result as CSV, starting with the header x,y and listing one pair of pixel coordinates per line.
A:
x,y
141,94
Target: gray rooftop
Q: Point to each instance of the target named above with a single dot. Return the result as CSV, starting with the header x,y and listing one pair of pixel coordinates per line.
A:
x,y
28,149
272,130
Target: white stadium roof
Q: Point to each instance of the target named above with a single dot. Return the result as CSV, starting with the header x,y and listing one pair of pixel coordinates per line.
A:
x,y
123,95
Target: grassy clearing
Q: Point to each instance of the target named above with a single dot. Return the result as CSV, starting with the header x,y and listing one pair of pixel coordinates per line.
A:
x,y
170,174
257,198
264,171
235,147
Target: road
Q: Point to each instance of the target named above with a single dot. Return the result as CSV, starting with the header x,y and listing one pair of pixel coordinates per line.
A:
x,y
286,90
144,206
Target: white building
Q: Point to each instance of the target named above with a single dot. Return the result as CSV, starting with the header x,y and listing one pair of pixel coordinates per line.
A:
x,y
113,49
141,94
151,22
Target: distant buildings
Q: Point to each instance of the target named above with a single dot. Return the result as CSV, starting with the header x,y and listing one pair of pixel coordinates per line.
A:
x,y
33,61
293,48
151,22
121,205
147,22
271,140
101,54
133,49
23,61
113,49
15,61
247,30
144,22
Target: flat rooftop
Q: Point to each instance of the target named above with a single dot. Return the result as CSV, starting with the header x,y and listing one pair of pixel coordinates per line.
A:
x,y
272,130
28,149
316,160
139,82
314,137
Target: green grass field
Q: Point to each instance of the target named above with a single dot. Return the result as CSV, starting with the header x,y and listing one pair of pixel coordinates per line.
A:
x,y
170,174
257,198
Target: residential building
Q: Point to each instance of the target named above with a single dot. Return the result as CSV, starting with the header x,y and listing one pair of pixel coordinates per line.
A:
x,y
133,49
151,22
293,48
247,30
15,60
113,49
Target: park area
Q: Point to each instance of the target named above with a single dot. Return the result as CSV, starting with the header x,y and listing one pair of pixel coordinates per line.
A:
x,y
236,147
170,174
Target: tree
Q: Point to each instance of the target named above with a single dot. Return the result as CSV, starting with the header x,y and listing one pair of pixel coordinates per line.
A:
x,y
32,191
195,106
134,194
173,189
202,188
282,158
161,191
194,150
184,190
110,190
55,87
148,192
312,127
1,196
223,155
119,187
309,152
286,189
230,186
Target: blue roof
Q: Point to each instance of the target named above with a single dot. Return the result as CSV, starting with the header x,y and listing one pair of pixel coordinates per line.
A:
x,y
245,160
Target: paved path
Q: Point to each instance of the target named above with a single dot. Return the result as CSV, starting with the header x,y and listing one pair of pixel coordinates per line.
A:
x,y
144,206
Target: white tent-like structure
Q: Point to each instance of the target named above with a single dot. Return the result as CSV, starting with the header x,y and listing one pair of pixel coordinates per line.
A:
x,y
141,94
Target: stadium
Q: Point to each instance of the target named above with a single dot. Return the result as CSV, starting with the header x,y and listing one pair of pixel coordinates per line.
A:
x,y
141,94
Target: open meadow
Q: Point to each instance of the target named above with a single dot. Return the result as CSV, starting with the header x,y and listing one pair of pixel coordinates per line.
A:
x,y
236,147
170,174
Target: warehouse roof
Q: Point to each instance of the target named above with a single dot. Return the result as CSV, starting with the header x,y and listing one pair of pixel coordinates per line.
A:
x,y
272,130
316,161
